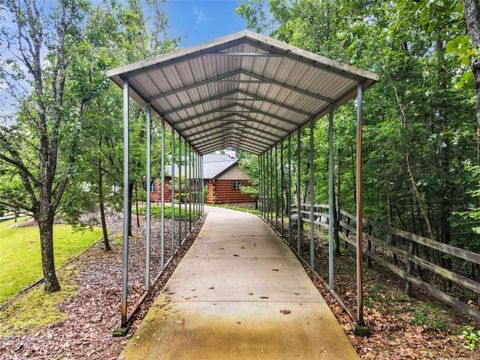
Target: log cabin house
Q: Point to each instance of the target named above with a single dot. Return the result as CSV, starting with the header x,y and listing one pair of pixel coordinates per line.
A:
x,y
223,178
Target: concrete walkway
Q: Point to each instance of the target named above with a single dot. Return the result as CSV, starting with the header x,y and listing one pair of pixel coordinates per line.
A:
x,y
239,293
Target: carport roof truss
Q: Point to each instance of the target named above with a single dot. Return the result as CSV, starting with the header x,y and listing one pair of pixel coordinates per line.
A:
x,y
240,90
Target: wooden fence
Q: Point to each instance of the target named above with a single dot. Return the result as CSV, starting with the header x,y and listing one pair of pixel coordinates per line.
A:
x,y
405,245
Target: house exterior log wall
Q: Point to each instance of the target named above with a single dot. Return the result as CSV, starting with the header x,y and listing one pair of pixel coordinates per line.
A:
x,y
221,192
156,196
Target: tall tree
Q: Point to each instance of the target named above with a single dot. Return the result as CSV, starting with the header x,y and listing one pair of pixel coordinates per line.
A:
x,y
41,146
67,130
472,19
418,122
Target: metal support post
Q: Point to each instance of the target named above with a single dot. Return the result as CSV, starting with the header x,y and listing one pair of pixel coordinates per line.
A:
x,y
190,186
198,186
261,192
195,186
162,200
264,195
289,189
148,204
270,186
359,204
312,196
281,187
172,185
276,186
185,204
200,182
299,197
203,190
187,186
179,189
265,183
331,205
126,219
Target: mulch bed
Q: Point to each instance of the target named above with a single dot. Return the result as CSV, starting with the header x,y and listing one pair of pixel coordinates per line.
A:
x,y
94,311
389,315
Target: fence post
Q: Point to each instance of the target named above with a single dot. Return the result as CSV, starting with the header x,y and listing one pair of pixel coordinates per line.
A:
x,y
410,267
347,232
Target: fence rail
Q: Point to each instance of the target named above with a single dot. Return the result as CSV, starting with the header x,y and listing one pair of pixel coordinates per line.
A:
x,y
382,236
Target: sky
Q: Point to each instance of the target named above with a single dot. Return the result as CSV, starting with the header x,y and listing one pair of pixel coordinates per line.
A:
x,y
198,21
195,21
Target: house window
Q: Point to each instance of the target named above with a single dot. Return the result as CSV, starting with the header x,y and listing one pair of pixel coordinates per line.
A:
x,y
236,184
153,187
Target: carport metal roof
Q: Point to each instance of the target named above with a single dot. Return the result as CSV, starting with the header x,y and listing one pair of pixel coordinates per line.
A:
x,y
243,90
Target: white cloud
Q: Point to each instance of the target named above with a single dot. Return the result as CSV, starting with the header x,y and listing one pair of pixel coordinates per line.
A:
x,y
200,16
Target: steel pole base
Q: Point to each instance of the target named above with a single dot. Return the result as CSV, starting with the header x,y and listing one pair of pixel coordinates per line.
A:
x,y
120,332
361,330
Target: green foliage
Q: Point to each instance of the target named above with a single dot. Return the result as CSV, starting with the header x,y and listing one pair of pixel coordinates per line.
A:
x,y
419,132
471,336
64,146
156,211
429,316
473,212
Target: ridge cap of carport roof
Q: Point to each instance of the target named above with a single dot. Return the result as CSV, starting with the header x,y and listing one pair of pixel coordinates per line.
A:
x,y
176,54
197,50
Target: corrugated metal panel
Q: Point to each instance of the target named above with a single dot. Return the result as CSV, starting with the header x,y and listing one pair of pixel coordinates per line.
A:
x,y
274,89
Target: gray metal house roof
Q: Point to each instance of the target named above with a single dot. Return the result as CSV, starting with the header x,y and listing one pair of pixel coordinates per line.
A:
x,y
213,165
243,90
216,164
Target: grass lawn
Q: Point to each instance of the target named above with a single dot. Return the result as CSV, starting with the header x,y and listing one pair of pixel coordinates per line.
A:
x,y
238,208
20,262
156,211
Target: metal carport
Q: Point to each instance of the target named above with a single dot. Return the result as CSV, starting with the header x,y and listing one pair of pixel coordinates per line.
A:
x,y
243,90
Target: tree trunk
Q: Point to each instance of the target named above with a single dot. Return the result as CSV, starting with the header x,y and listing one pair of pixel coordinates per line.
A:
x,y
409,168
389,212
472,19
102,205
48,263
